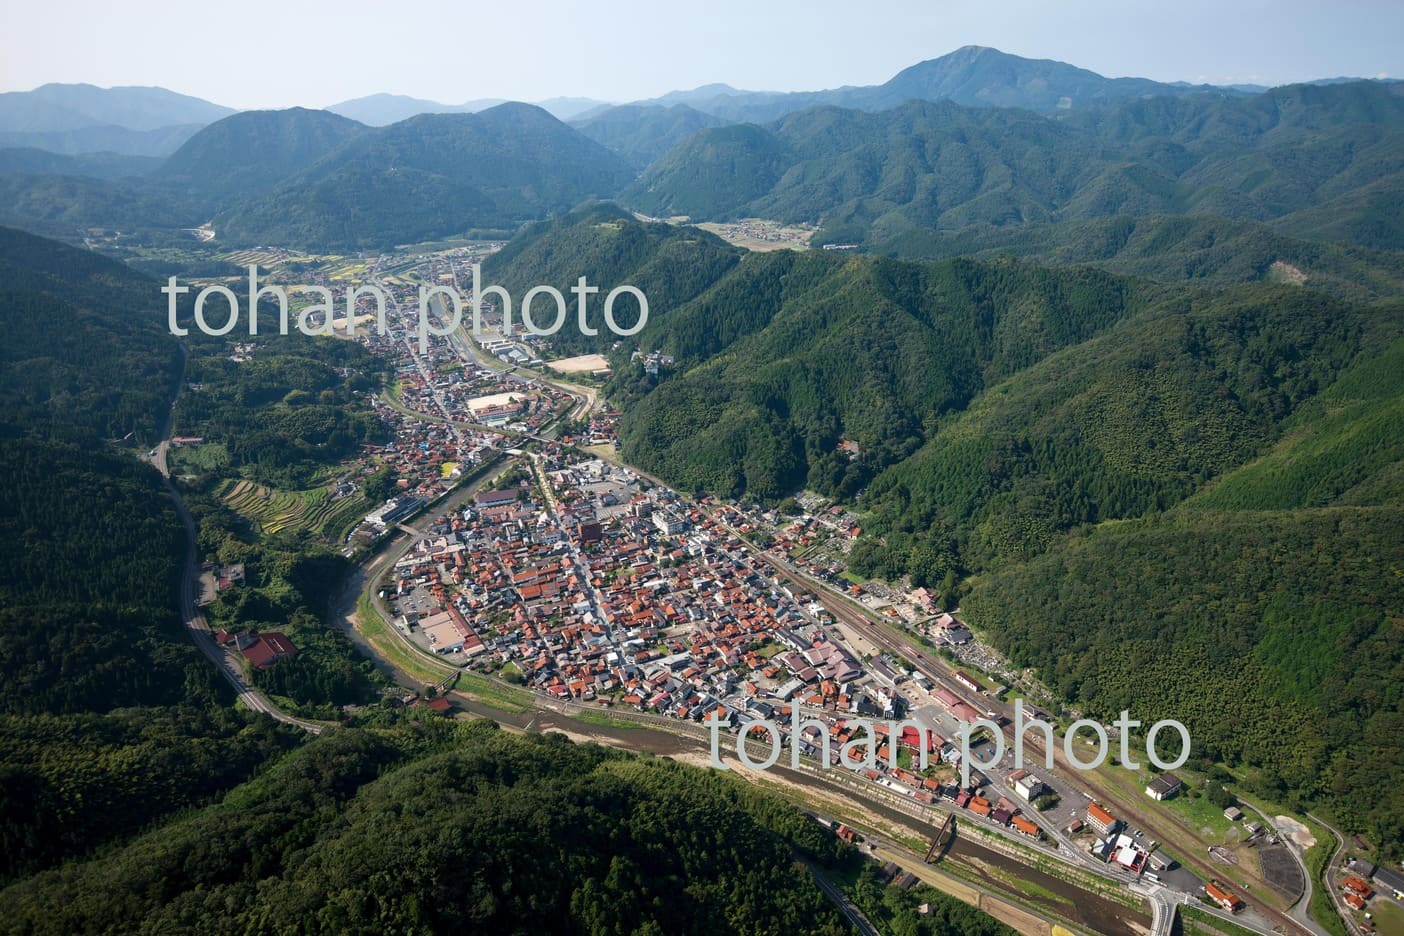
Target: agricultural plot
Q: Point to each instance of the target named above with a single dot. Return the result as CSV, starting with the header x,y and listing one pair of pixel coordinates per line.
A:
x,y
269,510
264,258
272,511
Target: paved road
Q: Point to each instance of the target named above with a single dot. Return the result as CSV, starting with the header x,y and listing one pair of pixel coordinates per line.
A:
x,y
1336,900
195,622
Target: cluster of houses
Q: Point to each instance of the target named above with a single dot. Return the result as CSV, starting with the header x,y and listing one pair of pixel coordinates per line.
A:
x,y
607,590
601,428
652,362
1363,882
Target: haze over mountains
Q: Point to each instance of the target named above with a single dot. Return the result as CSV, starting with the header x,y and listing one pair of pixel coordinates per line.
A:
x,y
378,110
1321,163
76,118
971,147
1113,368
82,118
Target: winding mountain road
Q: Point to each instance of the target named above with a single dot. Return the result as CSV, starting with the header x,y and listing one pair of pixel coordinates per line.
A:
x,y
190,614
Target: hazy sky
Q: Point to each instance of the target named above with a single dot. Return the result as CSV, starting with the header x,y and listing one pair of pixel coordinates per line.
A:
x,y
258,53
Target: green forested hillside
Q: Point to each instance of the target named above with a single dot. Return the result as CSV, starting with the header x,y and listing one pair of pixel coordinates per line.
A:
x,y
792,353
1130,423
609,247
462,828
98,165
1275,637
1298,156
1345,448
65,205
641,133
1199,249
431,176
284,417
250,152
77,361
315,180
110,718
975,76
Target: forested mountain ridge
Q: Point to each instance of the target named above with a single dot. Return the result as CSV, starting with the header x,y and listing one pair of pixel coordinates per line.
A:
x,y
671,265
76,359
641,133
314,179
251,152
109,715
454,826
1198,249
793,353
869,177
973,76
899,173
430,176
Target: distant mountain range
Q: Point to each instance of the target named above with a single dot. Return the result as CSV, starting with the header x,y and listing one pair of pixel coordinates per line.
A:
x,y
57,107
135,121
379,110
975,76
1304,156
82,118
974,141
428,176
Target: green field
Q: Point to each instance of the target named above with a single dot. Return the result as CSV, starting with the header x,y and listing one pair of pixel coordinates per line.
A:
x,y
273,511
604,719
1199,923
1388,915
494,693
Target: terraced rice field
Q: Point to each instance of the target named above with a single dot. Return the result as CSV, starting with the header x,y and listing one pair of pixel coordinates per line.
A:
x,y
265,259
272,511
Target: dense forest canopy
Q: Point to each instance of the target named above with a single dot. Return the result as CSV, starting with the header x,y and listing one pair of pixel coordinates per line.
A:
x,y
466,827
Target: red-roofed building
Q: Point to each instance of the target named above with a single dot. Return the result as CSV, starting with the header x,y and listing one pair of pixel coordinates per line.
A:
x,y
1223,897
266,649
1101,821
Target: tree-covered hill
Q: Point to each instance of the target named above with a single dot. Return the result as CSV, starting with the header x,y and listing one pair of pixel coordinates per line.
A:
x,y
974,76
430,176
1175,249
1127,424
110,716
1274,636
252,151
312,179
98,165
86,351
870,177
642,132
463,828
607,245
792,353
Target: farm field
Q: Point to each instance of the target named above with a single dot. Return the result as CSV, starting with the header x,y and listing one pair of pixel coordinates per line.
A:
x,y
272,512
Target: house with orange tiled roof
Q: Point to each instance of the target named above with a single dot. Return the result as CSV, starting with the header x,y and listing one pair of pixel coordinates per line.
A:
x,y
1223,896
